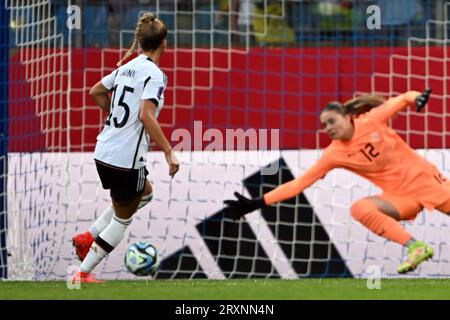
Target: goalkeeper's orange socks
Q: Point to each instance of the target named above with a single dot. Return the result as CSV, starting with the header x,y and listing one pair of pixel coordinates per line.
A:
x,y
366,212
106,241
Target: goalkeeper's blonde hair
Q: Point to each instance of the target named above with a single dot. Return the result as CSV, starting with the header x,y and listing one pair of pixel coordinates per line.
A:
x,y
150,32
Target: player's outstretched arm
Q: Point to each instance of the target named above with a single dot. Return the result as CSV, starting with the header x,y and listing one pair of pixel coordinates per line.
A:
x,y
101,96
422,99
396,104
236,209
151,125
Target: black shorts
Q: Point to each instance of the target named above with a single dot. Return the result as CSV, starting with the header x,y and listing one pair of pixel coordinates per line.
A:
x,y
124,184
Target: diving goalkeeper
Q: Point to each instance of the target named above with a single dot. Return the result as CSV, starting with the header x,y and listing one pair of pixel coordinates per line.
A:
x,y
362,142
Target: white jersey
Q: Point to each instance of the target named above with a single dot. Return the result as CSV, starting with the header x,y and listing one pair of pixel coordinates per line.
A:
x,y
123,142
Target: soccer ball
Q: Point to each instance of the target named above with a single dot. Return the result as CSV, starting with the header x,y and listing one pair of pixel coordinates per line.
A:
x,y
142,259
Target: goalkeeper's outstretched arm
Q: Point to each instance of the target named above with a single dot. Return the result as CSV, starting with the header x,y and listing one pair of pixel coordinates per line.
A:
x,y
237,208
396,104
294,187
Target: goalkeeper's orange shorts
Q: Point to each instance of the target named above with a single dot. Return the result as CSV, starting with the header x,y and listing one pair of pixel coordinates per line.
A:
x,y
429,196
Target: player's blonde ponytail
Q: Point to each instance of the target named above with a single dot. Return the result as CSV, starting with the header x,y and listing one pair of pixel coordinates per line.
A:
x,y
363,104
141,34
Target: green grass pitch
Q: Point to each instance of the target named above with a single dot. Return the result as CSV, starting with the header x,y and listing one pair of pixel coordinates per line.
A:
x,y
311,289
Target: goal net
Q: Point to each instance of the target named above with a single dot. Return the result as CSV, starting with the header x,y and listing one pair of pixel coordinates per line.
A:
x,y
37,126
247,80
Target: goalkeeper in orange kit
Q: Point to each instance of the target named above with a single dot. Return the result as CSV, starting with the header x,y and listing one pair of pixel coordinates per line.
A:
x,y
364,144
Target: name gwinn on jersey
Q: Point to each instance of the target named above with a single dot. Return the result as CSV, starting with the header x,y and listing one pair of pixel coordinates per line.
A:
x,y
123,141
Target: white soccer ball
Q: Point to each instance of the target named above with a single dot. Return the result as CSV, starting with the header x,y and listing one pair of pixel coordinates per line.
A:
x,y
141,259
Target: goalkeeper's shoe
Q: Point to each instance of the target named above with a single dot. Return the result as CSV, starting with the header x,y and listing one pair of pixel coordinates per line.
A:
x,y
84,277
418,252
82,243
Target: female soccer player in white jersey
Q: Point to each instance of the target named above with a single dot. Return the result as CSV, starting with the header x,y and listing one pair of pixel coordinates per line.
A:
x,y
120,154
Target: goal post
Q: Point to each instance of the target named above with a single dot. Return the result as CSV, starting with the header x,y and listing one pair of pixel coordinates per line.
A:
x,y
35,169
231,75
4,63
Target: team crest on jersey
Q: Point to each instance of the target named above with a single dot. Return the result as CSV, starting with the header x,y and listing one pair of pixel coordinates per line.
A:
x,y
375,137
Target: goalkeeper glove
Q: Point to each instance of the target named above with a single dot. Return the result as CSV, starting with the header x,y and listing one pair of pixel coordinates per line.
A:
x,y
236,209
422,100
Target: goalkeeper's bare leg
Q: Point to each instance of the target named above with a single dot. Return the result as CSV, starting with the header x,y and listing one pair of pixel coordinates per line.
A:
x,y
83,241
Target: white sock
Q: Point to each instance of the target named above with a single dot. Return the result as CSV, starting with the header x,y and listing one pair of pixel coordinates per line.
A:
x,y
114,232
106,241
93,258
102,222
